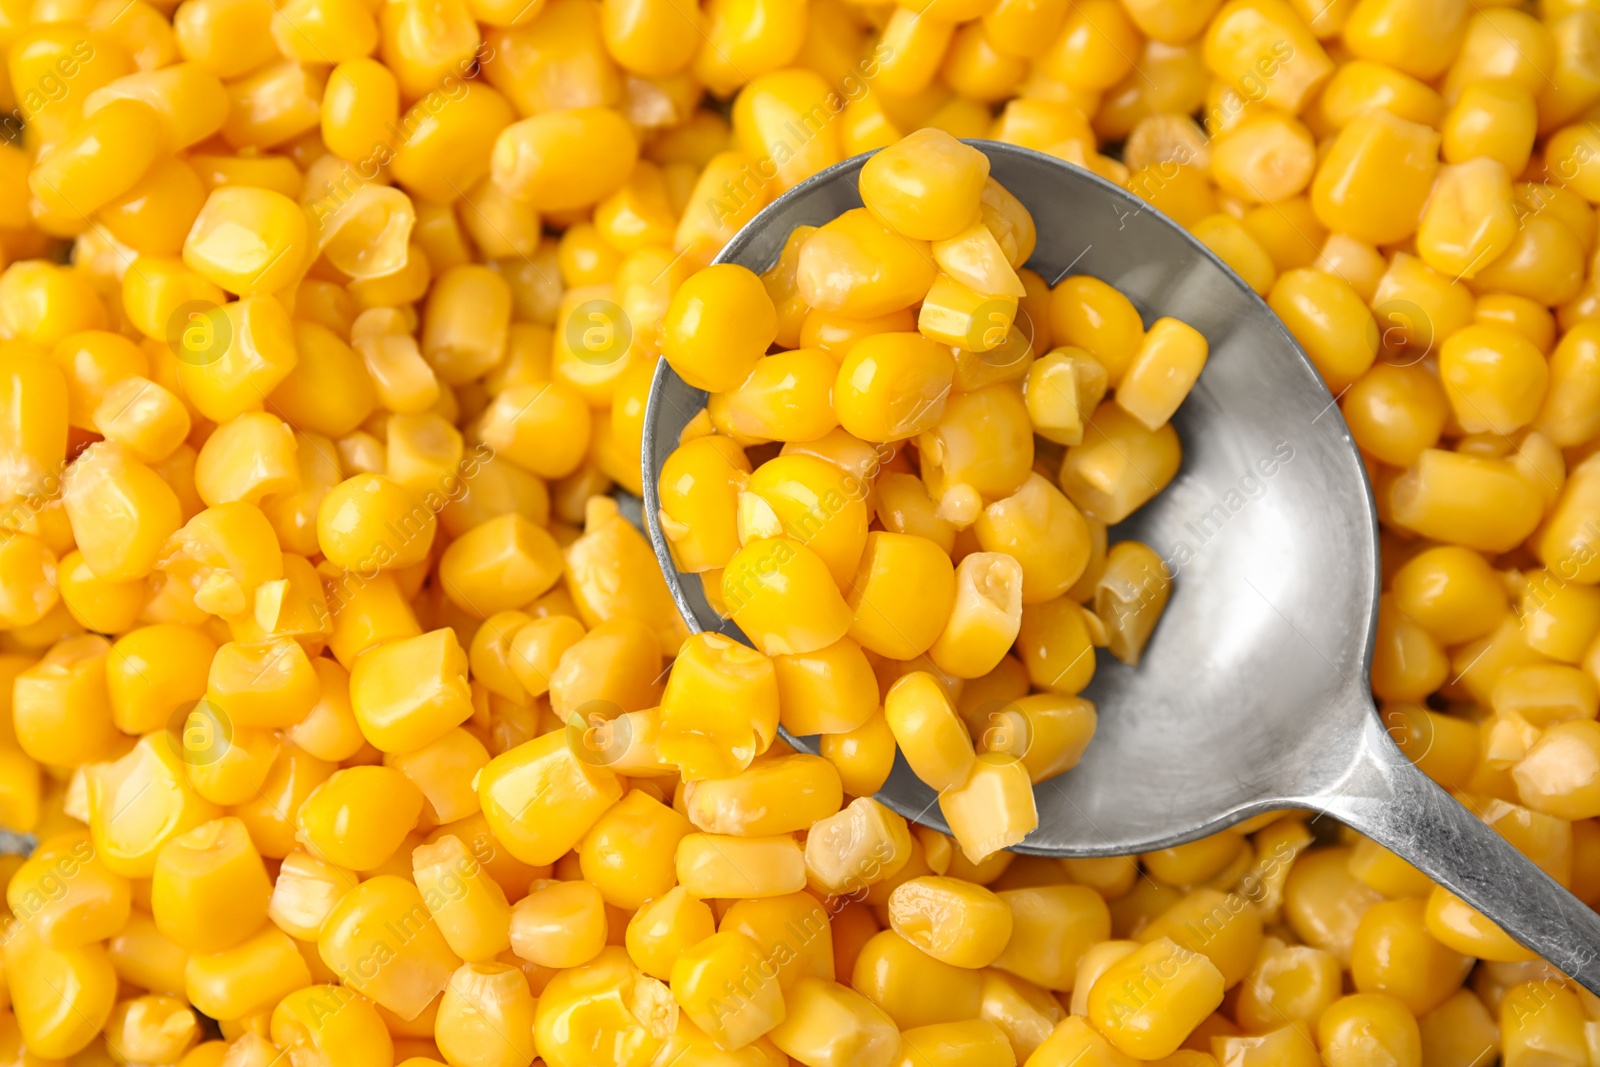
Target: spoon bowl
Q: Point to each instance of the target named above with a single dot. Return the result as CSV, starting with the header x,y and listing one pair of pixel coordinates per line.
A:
x,y
1253,693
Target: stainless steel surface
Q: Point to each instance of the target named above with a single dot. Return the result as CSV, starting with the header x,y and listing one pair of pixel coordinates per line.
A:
x,y
1253,694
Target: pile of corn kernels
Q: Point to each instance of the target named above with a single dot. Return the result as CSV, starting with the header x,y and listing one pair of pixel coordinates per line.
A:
x,y
325,335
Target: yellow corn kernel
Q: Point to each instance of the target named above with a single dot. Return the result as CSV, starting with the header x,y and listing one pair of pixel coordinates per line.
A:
x,y
265,685
1393,953
1362,1026
700,485
1264,157
409,693
93,602
629,854
231,357
559,925
1462,499
540,798
145,418
1452,592
954,314
1119,466
1361,85
717,328
1287,1045
544,428
993,808
720,707
858,847
1291,983
974,258
953,921
814,501
121,511
503,563
1232,935
664,928
99,161
782,596
359,817
1457,924
1062,390
715,865
904,506
829,691
149,793
330,1024
1491,119
773,796
699,984
356,943
1148,1002
931,736
959,1044
793,931
1541,1019
372,521
911,987
1376,177
925,186
1330,320
1470,220
607,1003
830,1025
210,889
247,979
857,267
985,617
1568,408
155,1028
1163,371
981,446
1074,1040
1556,775
67,998
1087,313
65,895
466,324
1494,377
1048,732
1395,412
486,1016
223,555
1266,53
901,597
565,158
61,708
329,391
787,397
1130,596
248,240
304,894
247,458
359,102
1235,246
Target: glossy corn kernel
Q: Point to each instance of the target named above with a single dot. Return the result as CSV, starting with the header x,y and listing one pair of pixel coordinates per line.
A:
x,y
560,925
540,797
399,974
952,921
71,995
1468,500
831,1025
993,808
782,596
359,816
1364,1025
714,865
210,889
409,693
702,976
1148,1002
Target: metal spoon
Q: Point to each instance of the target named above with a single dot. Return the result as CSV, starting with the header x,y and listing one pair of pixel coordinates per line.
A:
x,y
1253,694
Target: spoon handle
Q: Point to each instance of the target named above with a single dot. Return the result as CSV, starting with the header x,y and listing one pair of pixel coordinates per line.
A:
x,y
1389,800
